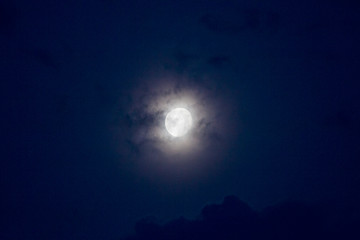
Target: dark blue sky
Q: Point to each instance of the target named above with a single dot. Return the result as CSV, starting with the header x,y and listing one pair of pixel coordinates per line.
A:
x,y
83,83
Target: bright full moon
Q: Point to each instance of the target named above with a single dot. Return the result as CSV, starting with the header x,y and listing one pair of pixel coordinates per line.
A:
x,y
178,122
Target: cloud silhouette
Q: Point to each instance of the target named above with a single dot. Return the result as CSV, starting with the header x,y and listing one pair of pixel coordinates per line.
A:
x,y
234,219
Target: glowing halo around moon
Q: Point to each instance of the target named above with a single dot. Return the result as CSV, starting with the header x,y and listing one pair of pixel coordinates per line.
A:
x,y
178,122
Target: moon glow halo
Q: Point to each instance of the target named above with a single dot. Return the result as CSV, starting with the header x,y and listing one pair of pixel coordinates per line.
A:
x,y
178,122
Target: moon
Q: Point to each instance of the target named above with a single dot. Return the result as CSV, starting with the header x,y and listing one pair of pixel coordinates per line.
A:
x,y
178,122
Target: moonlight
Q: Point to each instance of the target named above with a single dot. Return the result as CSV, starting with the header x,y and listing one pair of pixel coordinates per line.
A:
x,y
178,122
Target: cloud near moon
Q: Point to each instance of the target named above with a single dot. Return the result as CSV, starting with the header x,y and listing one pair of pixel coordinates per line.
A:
x,y
146,109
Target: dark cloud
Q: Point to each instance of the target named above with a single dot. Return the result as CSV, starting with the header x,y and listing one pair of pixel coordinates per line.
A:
x,y
237,22
42,56
344,117
341,118
220,24
183,61
234,219
218,61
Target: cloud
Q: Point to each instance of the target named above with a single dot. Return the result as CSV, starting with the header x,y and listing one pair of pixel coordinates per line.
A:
x,y
234,219
344,118
143,141
233,23
152,99
219,60
42,56
151,103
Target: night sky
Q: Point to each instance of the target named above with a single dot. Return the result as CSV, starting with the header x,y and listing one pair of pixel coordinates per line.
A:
x,y
272,86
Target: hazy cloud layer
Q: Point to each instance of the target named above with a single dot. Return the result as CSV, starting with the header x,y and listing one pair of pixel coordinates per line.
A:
x,y
152,99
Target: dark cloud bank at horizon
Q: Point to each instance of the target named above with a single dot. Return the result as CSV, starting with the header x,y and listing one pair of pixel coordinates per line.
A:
x,y
234,219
